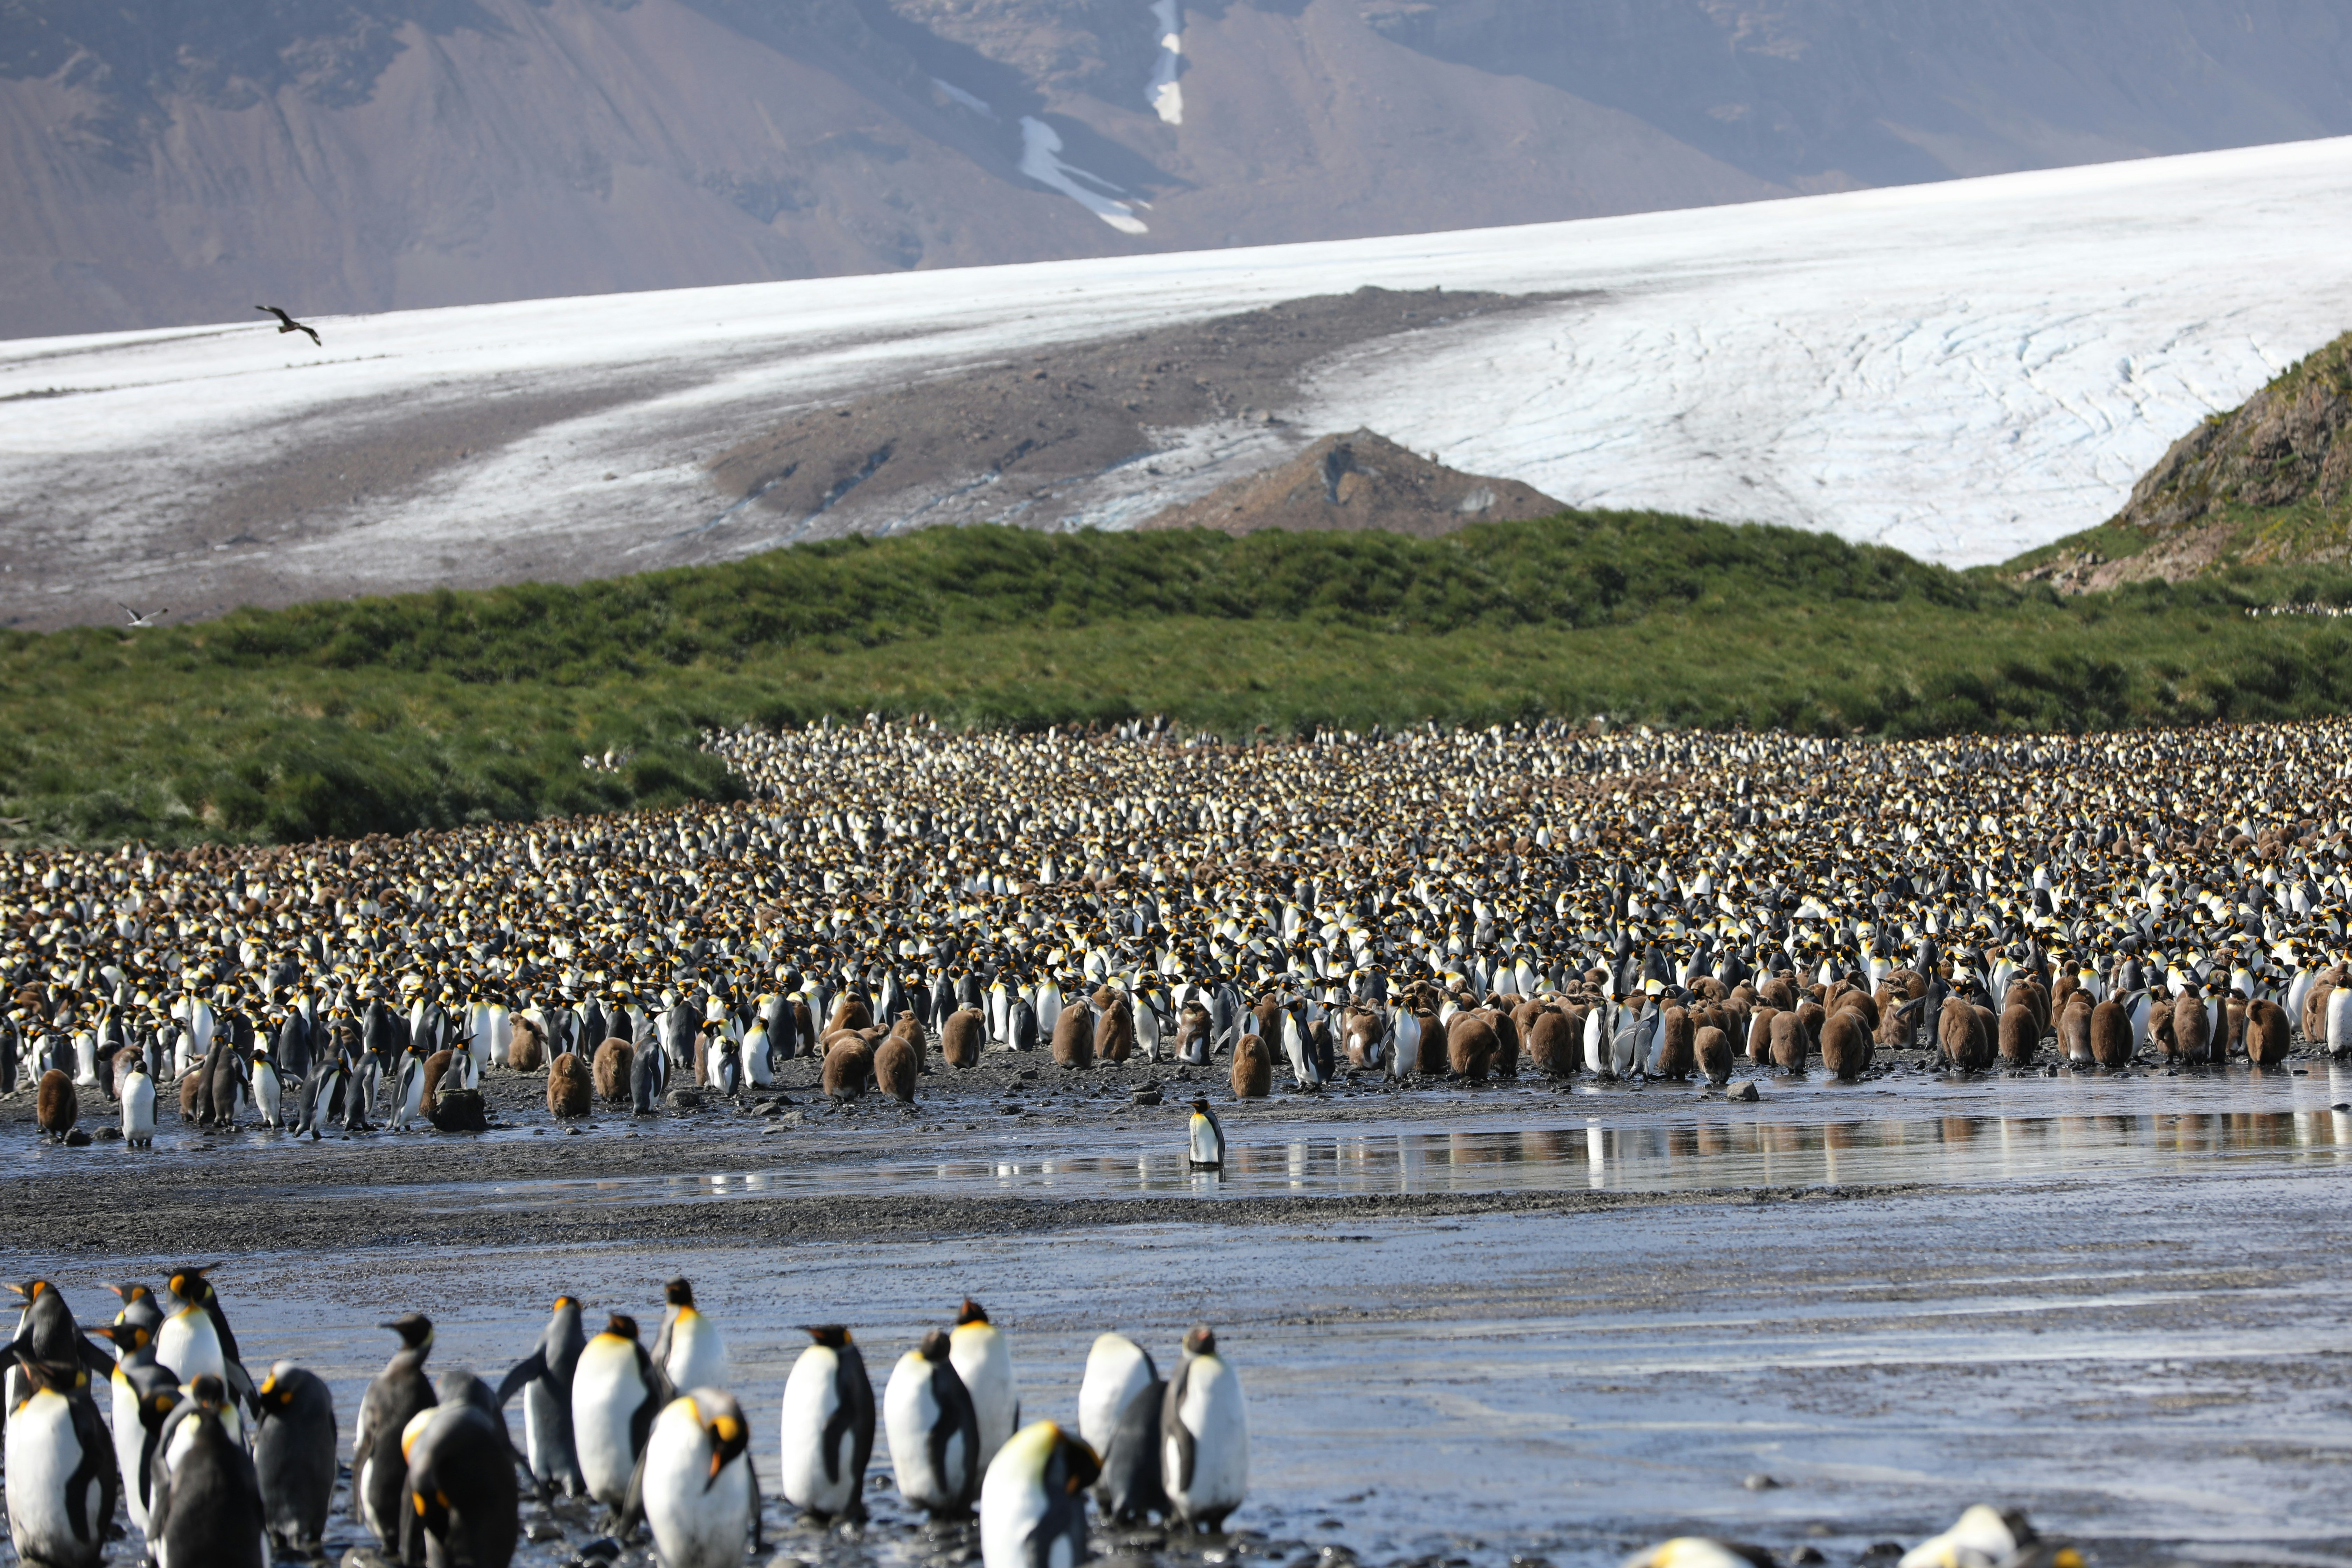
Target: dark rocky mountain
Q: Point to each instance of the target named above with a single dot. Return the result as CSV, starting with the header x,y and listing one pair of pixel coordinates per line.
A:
x,y
2270,482
175,160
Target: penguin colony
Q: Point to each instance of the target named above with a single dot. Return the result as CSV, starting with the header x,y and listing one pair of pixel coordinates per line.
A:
x,y
213,1468
1424,905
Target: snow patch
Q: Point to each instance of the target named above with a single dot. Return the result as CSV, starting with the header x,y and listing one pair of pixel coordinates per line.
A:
x,y
977,105
1166,92
1041,160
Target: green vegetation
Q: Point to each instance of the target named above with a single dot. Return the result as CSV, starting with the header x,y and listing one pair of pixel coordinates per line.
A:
x,y
390,714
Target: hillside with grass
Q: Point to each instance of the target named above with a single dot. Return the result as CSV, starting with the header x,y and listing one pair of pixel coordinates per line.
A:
x,y
385,715
2270,482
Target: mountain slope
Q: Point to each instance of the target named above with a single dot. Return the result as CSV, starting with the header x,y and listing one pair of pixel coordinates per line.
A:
x,y
2267,483
174,161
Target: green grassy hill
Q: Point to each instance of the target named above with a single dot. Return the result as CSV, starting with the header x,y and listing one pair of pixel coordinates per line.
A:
x,y
385,715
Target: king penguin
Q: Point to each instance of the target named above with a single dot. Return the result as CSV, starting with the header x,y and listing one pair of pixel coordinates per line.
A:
x,y
827,1427
934,1433
616,1392
393,1399
294,1455
206,1510
697,1490
1033,1506
545,1380
458,1484
688,1349
195,1339
1204,1436
61,1481
1117,1369
1206,1149
984,1362
135,1380
138,1106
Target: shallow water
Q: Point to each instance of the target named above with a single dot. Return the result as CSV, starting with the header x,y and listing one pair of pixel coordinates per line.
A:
x,y
2117,1303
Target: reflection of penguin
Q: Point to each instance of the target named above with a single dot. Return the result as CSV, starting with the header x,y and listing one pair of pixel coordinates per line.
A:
x,y
545,1380
1204,1436
616,1392
458,1487
828,1427
395,1398
696,1489
688,1349
1207,1149
206,1505
61,1483
984,1362
1033,1506
934,1434
294,1454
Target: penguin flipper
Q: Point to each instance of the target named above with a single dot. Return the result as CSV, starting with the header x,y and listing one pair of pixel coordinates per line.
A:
x,y
529,1370
633,1505
92,1358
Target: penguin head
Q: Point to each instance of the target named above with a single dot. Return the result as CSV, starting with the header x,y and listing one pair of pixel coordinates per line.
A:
x,y
414,1329
1061,1464
678,1293
722,1419
936,1346
128,1338
55,1376
832,1336
276,1390
1200,1108
209,1392
621,1326
971,1311
190,1285
1201,1339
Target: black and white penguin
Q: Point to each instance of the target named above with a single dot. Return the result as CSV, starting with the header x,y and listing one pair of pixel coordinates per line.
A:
x,y
934,1433
1132,1488
616,1392
1204,1436
205,1509
195,1339
458,1484
61,1472
1033,1504
269,1096
696,1489
138,1308
545,1380
135,1380
1117,1369
294,1444
648,1078
138,1105
46,1331
688,1349
1206,1148
393,1399
827,1427
984,1362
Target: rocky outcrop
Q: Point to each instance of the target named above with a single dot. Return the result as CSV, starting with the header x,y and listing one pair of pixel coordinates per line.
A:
x,y
2269,482
1360,481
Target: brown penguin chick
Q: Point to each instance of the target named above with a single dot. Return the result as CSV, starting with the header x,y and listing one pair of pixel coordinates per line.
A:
x,y
1433,1062
2032,992
1677,1054
848,1065
1115,1031
1469,1047
614,1060
1506,1042
1987,1035
2075,1026
527,1047
1845,1043
2111,1036
1252,1068
2315,1004
1789,1043
960,1038
1552,1046
701,1059
895,1067
1192,1030
2067,986
1359,1036
2159,1028
1711,1047
1863,1001
569,1089
2020,1035
1779,993
909,1030
435,1065
1810,1015
1895,1022
2192,1035
2233,1021
193,1106
2266,1033
849,1012
56,1106
1956,1034
1074,1036
1759,1034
